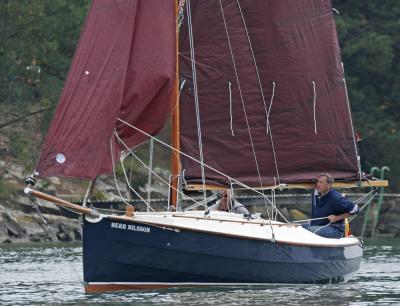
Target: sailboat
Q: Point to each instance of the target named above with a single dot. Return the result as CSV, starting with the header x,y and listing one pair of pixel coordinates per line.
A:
x,y
258,101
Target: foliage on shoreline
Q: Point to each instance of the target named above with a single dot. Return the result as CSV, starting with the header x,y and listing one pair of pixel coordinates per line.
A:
x,y
40,38
370,42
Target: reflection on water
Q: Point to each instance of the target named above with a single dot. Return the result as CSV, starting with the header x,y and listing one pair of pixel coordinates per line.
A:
x,y
52,275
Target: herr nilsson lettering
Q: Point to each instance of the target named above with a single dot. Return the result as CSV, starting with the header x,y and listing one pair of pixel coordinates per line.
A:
x,y
130,227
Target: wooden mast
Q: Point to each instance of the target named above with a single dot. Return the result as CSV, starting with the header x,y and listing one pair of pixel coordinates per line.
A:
x,y
175,165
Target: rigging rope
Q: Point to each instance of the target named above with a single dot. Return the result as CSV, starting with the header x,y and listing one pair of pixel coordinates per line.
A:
x,y
270,133
352,128
260,87
153,173
177,102
205,165
242,100
150,171
273,201
124,200
196,96
197,161
273,193
241,95
365,205
131,188
179,96
88,192
355,202
180,13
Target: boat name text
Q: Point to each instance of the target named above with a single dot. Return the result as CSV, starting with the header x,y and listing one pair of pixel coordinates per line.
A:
x,y
130,227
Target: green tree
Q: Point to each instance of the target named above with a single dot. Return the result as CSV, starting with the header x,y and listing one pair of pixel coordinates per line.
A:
x,y
370,41
39,39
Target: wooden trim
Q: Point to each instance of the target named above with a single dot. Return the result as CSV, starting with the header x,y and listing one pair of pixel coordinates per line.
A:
x,y
108,287
60,202
305,185
97,288
244,221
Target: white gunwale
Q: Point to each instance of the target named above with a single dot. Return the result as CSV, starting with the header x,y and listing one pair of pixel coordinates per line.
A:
x,y
216,223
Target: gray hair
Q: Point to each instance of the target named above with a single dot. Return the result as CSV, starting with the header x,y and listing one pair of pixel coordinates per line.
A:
x,y
329,178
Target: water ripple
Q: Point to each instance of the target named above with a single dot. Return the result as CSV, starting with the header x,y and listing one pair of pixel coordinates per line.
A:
x,y
53,275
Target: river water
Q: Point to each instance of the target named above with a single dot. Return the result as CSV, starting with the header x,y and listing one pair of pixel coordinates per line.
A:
x,y
53,274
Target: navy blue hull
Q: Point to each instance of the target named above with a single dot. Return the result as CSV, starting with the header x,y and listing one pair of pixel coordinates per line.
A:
x,y
147,254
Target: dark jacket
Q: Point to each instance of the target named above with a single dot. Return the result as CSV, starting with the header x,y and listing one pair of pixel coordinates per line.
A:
x,y
332,203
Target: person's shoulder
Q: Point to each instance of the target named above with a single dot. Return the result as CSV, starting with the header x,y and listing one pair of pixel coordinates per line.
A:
x,y
236,203
335,194
338,196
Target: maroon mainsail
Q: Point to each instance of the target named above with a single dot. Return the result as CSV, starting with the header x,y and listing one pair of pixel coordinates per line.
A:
x,y
282,117
124,67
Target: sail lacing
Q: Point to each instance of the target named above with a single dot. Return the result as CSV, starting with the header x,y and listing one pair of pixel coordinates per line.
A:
x,y
196,96
315,102
261,89
230,106
270,105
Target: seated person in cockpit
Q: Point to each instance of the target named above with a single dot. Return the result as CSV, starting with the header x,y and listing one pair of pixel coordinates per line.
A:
x,y
229,204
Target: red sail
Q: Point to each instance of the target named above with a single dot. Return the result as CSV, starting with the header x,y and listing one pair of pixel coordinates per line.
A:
x,y
297,57
124,67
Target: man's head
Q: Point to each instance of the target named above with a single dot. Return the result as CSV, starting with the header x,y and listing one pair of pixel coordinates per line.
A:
x,y
225,201
324,182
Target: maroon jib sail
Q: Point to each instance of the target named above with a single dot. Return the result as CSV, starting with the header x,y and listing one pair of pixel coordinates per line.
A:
x,y
124,67
271,93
